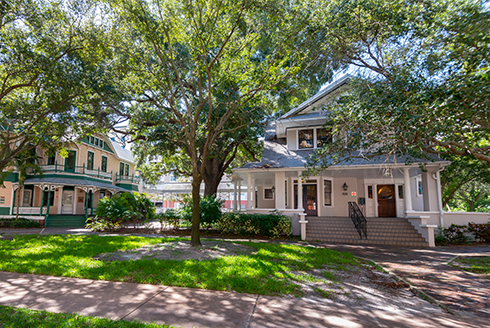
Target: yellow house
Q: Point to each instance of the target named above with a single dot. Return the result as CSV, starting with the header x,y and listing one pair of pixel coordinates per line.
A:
x,y
71,187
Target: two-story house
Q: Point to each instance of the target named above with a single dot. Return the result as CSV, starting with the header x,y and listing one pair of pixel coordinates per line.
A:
x,y
377,200
71,185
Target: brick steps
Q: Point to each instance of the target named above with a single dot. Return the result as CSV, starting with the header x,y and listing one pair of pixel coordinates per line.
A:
x,y
380,231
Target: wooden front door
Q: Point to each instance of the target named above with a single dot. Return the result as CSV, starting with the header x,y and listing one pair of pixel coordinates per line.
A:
x,y
310,199
386,201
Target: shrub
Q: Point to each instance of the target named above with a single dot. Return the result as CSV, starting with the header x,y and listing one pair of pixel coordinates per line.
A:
x,y
210,209
456,234
269,225
171,216
123,209
481,231
19,223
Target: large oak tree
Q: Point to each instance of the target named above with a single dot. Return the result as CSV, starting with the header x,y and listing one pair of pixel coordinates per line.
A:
x,y
201,70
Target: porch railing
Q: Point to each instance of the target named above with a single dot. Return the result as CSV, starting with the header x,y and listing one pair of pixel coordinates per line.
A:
x,y
77,170
127,178
358,219
29,210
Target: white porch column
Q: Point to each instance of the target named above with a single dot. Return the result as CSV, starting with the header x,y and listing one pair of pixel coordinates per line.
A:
x,y
300,191
280,192
239,195
302,214
234,195
60,199
75,200
254,201
408,190
249,190
439,197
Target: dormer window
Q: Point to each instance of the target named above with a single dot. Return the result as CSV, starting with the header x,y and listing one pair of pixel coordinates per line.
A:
x,y
314,138
305,138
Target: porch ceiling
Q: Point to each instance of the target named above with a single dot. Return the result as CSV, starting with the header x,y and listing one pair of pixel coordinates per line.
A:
x,y
267,177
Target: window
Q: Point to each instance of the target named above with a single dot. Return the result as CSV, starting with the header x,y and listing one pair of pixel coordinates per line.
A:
x,y
327,191
370,192
305,138
92,140
268,193
121,169
400,192
101,143
126,169
90,160
420,188
286,192
103,164
51,160
323,137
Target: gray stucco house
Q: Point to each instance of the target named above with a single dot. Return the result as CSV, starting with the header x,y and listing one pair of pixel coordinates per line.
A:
x,y
401,204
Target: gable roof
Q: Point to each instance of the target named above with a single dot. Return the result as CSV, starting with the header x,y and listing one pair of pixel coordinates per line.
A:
x,y
122,153
329,92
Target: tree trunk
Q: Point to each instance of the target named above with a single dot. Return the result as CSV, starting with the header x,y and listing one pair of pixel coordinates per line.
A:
x,y
211,183
196,215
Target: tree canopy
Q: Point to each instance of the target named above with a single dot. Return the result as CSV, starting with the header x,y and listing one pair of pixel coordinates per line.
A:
x,y
202,74
51,75
423,83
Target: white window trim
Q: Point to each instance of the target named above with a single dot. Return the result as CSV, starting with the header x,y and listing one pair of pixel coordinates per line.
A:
x,y
314,128
331,192
273,193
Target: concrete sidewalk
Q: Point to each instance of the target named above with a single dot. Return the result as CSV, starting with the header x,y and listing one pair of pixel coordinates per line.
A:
x,y
186,307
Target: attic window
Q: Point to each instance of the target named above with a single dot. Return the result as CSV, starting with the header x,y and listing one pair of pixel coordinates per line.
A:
x,y
323,137
305,138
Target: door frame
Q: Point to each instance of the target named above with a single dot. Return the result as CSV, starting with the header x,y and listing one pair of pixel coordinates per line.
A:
x,y
394,192
63,199
295,196
74,152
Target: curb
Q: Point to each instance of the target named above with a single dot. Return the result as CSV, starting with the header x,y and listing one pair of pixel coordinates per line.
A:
x,y
417,291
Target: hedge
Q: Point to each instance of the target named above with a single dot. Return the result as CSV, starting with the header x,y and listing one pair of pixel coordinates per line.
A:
x,y
269,225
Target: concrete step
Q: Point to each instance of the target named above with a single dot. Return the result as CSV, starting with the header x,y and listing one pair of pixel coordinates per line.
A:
x,y
380,231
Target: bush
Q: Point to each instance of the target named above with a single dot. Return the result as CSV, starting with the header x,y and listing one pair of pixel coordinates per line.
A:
x,y
122,209
269,225
456,234
481,231
210,209
19,223
171,216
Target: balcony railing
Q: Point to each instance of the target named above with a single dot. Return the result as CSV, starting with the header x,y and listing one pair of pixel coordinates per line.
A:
x,y
55,168
127,178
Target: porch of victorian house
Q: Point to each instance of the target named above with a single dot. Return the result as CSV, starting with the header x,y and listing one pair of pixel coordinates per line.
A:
x,y
65,196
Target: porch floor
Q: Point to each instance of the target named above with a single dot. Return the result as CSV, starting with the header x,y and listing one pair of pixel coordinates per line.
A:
x,y
380,231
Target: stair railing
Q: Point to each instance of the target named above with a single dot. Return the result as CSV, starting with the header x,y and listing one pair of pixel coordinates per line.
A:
x,y
358,219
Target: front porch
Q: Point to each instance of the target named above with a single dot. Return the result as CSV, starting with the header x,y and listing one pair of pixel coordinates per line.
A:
x,y
384,193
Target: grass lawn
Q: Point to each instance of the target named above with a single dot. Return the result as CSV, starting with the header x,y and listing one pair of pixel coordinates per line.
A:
x,y
272,270
477,264
11,317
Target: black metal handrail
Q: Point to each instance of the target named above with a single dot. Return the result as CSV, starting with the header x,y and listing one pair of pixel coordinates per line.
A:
x,y
358,219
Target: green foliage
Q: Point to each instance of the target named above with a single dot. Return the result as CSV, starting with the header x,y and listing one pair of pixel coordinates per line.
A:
x,y
210,210
19,223
170,216
122,209
270,225
456,234
423,78
481,231
267,271
51,78
13,317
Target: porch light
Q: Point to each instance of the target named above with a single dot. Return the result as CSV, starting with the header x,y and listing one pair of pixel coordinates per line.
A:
x,y
273,189
345,186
